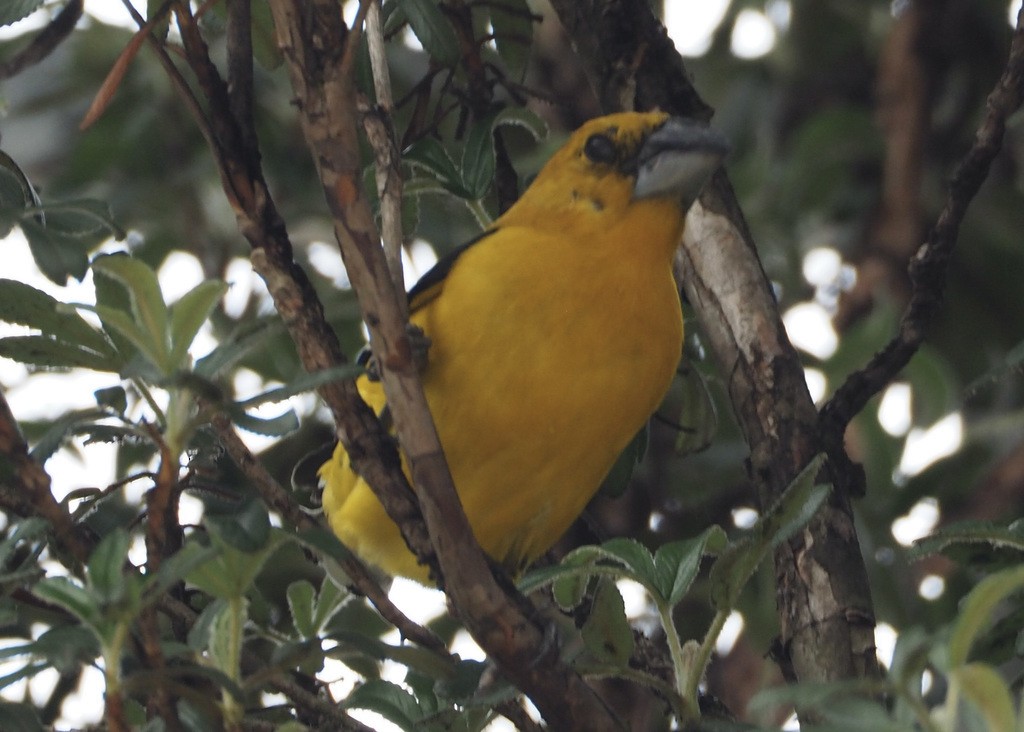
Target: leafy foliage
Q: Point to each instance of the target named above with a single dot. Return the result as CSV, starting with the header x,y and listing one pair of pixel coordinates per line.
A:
x,y
249,604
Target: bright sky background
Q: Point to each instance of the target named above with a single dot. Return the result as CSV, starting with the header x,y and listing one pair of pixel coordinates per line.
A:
x,y
690,24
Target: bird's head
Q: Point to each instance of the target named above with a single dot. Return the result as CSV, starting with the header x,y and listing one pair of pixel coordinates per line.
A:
x,y
621,166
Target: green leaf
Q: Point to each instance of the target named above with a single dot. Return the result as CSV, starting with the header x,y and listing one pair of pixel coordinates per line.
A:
x,y
246,528
332,596
61,428
57,256
676,564
976,611
302,384
607,632
984,533
794,509
46,352
12,11
569,589
389,700
478,159
478,155
25,305
300,603
634,556
984,688
19,718
1012,363
230,573
120,322
234,348
798,503
25,672
73,598
26,530
512,21
432,29
430,156
113,397
178,566
149,312
106,567
188,315
270,426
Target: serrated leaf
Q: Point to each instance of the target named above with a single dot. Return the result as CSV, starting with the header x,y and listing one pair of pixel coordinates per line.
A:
x,y
796,506
569,590
430,156
432,29
59,430
11,11
302,384
270,426
976,611
634,556
389,700
524,119
46,352
325,542
985,689
25,305
149,312
188,315
222,640
106,564
970,532
676,564
607,632
300,604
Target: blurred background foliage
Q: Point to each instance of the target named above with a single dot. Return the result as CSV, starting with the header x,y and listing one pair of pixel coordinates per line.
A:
x,y
846,120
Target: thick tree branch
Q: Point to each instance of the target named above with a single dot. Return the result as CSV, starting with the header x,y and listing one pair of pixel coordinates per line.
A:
x,y
823,595
929,265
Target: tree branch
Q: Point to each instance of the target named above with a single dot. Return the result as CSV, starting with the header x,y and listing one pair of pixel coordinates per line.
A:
x,y
25,488
929,265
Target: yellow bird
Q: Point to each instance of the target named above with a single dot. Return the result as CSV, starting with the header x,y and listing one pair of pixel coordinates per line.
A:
x,y
554,336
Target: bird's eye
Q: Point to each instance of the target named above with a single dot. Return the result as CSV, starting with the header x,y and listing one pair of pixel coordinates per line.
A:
x,y
600,149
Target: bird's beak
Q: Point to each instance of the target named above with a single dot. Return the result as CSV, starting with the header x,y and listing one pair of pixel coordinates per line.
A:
x,y
677,159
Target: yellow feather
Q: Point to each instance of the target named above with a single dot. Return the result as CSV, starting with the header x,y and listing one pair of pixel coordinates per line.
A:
x,y
553,339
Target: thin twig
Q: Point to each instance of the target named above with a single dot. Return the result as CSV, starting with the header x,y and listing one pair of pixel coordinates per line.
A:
x,y
929,265
380,131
